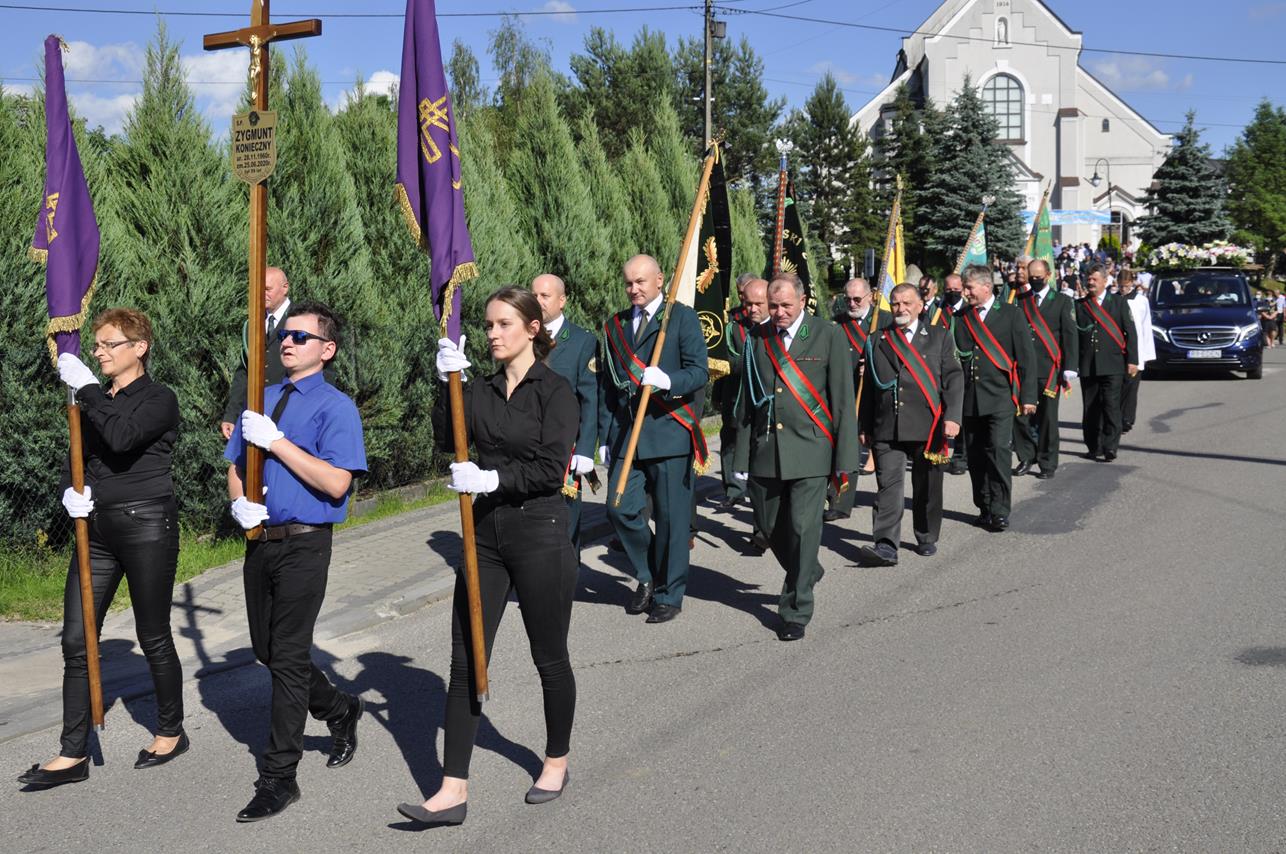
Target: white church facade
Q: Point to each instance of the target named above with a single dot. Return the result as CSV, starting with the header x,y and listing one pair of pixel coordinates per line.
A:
x,y
1064,128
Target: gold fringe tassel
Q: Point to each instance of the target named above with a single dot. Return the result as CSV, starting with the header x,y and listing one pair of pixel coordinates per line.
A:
x,y
40,256
69,324
702,467
1049,393
719,368
570,491
404,202
937,459
462,274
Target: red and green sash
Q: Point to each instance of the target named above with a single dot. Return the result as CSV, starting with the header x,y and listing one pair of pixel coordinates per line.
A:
x,y
995,354
1103,319
679,411
936,449
855,332
1047,340
805,394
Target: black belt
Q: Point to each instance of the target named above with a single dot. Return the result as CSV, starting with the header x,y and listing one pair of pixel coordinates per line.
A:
x,y
135,505
294,529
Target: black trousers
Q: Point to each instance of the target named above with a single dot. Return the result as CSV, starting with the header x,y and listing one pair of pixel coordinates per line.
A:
x,y
926,493
285,582
524,548
1130,400
139,542
1036,436
987,445
1101,417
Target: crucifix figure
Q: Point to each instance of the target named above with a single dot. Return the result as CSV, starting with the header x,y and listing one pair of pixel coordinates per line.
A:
x,y
258,36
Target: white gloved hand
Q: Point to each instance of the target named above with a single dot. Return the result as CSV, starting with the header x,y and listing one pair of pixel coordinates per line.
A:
x,y
259,429
79,505
451,358
605,457
1068,376
581,465
654,376
74,372
741,476
467,477
248,514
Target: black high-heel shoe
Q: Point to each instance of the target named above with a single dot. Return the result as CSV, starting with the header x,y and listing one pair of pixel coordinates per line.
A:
x,y
537,795
450,815
148,759
37,776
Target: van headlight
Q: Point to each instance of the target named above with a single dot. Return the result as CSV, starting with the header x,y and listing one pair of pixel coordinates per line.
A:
x,y
1245,333
1161,333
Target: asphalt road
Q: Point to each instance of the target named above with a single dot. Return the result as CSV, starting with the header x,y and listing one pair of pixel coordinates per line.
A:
x,y
1107,676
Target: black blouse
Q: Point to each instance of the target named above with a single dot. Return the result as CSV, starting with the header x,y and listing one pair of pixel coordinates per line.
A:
x,y
527,439
128,437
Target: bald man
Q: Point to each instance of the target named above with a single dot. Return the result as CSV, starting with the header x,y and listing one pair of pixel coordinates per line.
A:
x,y
573,359
670,444
276,298
753,310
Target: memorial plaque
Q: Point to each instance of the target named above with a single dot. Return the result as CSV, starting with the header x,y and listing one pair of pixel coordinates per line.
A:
x,y
254,145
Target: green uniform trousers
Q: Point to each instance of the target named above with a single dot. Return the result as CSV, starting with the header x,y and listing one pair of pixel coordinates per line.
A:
x,y
1101,416
1036,436
791,511
987,445
734,489
661,559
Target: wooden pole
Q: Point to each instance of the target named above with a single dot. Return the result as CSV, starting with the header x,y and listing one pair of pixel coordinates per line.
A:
x,y
694,223
471,586
88,616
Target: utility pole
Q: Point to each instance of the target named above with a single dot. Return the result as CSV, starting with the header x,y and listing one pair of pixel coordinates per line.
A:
x,y
713,30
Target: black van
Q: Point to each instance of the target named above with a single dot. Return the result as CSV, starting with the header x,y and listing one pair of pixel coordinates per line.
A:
x,y
1206,319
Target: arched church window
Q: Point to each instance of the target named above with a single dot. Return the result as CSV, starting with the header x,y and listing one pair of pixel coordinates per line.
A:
x,y
1002,97
1107,125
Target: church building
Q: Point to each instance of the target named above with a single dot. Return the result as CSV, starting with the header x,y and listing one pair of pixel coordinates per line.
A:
x,y
1060,124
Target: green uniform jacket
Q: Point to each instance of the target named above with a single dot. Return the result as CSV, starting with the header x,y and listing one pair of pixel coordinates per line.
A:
x,y
777,438
573,359
1059,312
1100,355
900,413
987,389
855,355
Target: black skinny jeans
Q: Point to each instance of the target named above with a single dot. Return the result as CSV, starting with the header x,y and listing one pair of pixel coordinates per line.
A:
x,y
524,548
140,542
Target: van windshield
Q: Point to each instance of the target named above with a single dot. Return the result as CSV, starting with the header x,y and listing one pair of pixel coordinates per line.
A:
x,y
1193,291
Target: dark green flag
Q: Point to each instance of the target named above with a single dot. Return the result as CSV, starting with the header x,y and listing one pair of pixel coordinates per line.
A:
x,y
794,248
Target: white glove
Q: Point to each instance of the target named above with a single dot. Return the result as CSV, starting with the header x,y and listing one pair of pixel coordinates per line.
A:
x,y
467,477
581,465
741,476
451,358
79,505
74,372
259,429
1068,376
248,514
605,456
654,376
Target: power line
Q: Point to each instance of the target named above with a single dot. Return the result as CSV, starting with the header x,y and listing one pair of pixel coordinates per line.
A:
x,y
23,7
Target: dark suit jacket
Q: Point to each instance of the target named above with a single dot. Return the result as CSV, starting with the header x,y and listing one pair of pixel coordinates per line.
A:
x,y
1100,355
573,358
790,445
909,419
724,390
987,390
1059,312
855,355
683,358
273,373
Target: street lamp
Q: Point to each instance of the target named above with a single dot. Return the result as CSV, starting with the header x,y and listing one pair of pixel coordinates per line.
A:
x,y
1096,180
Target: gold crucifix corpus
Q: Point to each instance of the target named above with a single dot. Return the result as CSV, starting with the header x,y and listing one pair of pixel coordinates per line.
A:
x,y
258,36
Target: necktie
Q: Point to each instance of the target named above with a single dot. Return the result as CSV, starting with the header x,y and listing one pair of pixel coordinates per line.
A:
x,y
642,321
271,330
281,401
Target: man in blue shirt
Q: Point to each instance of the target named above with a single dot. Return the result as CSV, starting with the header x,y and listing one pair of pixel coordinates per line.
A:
x,y
313,445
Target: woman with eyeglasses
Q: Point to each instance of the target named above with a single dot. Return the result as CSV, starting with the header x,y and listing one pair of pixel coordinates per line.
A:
x,y
129,430
523,421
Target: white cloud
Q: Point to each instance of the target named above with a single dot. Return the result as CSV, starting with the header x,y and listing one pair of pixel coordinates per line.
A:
x,y
846,78
567,9
120,61
380,83
109,111
103,104
217,80
1138,73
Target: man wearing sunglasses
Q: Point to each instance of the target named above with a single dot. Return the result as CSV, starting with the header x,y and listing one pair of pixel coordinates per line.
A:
x,y
313,449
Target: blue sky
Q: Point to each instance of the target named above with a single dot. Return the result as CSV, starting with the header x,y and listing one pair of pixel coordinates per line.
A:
x,y
795,53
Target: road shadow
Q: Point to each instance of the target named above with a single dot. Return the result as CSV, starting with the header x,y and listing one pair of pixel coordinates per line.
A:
x,y
601,588
1263,656
1233,458
1170,375
446,545
1158,422
720,588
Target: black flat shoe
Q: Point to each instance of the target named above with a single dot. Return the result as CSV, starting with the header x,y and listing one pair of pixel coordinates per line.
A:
x,y
272,796
998,524
450,815
642,599
1109,457
926,549
344,732
536,795
790,632
663,613
983,520
1021,469
834,515
1045,475
40,778
881,555
148,759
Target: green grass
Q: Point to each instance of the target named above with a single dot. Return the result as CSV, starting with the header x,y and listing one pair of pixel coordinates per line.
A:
x,y
32,580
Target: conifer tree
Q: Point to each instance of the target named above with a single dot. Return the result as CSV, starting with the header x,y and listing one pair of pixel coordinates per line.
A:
x,y
1257,183
613,212
676,162
619,86
655,232
907,149
748,254
467,91
1186,200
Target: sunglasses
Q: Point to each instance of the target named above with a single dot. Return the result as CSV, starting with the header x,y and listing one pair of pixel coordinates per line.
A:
x,y
297,336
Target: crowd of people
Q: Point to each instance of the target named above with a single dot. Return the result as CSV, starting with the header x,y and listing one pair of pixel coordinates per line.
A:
x,y
966,380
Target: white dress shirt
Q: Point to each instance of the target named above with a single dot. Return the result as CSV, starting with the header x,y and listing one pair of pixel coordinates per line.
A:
x,y
553,326
789,335
652,308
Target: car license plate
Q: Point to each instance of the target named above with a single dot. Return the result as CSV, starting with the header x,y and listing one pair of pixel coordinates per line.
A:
x,y
1205,354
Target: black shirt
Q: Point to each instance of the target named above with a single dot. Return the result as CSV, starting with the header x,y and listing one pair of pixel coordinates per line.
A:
x,y
527,439
128,440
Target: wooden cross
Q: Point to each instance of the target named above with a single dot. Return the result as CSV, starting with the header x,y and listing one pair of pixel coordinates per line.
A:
x,y
258,36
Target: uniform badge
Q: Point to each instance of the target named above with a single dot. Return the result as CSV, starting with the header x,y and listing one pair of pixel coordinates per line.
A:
x,y
593,364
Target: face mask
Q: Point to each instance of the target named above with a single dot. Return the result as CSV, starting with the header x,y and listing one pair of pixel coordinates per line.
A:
x,y
1037,283
954,298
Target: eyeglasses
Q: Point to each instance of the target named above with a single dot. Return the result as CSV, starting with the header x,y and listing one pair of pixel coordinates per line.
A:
x,y
110,345
298,336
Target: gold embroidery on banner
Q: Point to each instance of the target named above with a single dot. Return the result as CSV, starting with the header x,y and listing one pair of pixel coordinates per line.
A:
x,y
51,206
433,114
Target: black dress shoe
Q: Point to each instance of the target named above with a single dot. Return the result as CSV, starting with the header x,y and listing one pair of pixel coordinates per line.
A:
x,y
759,543
272,796
663,613
642,599
615,544
1108,457
1091,455
1125,428
955,468
537,795
1021,469
148,759
926,549
344,732
450,815
881,555
790,632
40,778
998,524
835,515
1045,475
983,520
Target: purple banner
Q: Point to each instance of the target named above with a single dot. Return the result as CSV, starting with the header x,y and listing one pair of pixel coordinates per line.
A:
x,y
66,239
428,164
